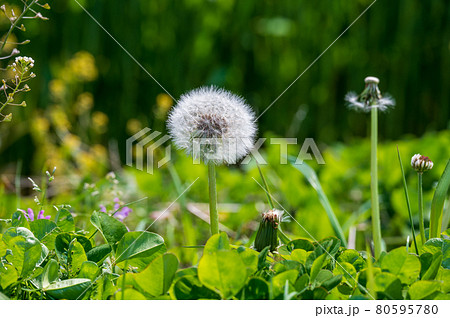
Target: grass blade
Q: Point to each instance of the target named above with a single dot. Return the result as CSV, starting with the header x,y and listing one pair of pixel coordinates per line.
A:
x,y
437,205
405,187
312,178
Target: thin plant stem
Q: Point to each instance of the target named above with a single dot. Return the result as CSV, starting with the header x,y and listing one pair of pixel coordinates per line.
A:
x,y
420,199
15,23
376,226
213,213
266,186
405,188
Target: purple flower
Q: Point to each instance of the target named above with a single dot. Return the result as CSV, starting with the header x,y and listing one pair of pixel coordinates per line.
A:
x,y
120,213
42,216
123,213
30,215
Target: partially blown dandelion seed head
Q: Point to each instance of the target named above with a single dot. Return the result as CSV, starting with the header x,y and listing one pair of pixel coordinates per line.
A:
x,y
421,163
212,124
370,98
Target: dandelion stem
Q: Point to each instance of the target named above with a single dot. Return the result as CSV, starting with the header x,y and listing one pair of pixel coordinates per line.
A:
x,y
213,213
420,199
376,226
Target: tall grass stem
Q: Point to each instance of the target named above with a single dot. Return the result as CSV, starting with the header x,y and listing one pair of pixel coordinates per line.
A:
x,y
405,187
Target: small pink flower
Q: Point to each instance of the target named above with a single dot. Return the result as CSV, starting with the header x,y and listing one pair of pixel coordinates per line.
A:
x,y
42,216
30,216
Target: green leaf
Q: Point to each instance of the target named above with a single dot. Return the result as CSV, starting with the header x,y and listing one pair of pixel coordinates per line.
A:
x,y
279,281
73,289
18,219
438,245
437,204
399,262
88,270
443,276
432,271
139,245
49,275
348,271
255,289
389,285
262,258
422,289
111,228
332,282
353,257
62,242
41,228
250,259
157,277
3,296
317,266
302,283
64,220
299,255
300,244
312,178
99,253
76,257
223,271
217,242
189,287
129,294
26,249
8,276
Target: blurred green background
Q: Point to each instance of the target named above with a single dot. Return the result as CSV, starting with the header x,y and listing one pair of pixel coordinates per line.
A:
x,y
89,95
256,49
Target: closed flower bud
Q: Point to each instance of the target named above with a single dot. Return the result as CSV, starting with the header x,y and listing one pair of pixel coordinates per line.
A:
x,y
421,163
267,234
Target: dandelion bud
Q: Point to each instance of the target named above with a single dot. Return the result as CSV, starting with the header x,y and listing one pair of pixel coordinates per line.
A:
x,y
267,234
421,163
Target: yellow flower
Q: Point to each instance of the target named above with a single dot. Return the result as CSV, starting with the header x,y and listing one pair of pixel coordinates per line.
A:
x,y
59,118
99,152
99,121
164,102
85,101
133,126
72,142
40,125
57,89
82,65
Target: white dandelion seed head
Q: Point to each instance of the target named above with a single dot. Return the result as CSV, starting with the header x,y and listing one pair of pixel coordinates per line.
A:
x,y
421,163
353,102
212,124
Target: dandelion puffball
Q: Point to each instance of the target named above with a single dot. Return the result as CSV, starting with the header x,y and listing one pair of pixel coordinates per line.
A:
x,y
212,124
370,98
421,163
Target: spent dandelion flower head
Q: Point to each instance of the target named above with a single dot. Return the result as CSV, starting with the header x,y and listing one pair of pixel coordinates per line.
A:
x,y
213,124
370,98
421,163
